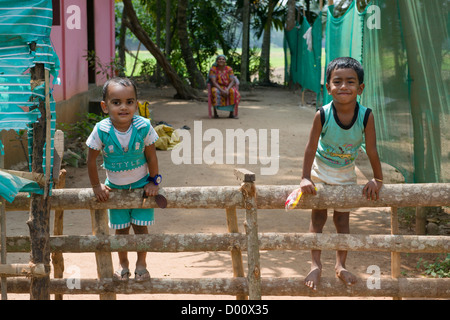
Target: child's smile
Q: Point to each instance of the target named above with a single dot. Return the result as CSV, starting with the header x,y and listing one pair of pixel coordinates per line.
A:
x,y
121,105
344,86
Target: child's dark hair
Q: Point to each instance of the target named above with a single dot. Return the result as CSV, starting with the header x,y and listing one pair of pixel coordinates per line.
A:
x,y
345,63
118,80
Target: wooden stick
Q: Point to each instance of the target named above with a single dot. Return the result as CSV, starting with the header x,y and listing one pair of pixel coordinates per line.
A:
x,y
395,256
268,197
19,269
104,260
3,246
39,206
236,253
228,241
37,177
328,287
58,230
248,190
48,135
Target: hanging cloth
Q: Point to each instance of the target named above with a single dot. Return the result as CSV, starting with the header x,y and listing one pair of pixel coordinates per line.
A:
x,y
10,185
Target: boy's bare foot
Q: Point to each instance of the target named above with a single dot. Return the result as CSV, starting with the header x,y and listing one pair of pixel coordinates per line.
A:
x,y
347,277
313,278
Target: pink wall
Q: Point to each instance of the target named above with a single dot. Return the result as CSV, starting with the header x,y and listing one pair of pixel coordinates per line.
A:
x,y
70,40
105,45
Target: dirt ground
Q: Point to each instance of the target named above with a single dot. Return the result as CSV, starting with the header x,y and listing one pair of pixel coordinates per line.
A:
x,y
261,108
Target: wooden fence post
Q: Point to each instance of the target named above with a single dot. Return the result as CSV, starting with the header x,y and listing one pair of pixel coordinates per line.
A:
x,y
395,256
105,269
236,254
58,230
248,190
3,244
39,220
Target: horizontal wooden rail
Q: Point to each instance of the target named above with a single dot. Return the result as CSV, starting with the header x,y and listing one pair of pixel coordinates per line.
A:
x,y
228,241
22,270
268,197
328,287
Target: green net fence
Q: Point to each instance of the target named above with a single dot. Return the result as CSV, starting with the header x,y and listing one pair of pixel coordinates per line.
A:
x,y
404,47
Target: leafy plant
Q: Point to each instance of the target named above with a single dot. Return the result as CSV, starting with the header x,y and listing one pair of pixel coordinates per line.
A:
x,y
101,68
83,128
148,68
439,269
75,136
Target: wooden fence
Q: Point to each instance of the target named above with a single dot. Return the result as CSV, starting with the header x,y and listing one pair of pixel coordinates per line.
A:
x,y
251,198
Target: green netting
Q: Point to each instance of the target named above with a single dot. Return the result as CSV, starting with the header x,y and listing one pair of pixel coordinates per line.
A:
x,y
407,65
23,23
344,37
304,43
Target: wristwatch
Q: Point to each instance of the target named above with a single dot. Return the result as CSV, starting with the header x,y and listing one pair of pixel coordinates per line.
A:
x,y
156,179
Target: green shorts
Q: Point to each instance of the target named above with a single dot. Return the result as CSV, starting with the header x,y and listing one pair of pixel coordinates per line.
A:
x,y
123,218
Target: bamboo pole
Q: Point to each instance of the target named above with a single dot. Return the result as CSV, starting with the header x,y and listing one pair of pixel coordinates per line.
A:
x,y
236,254
251,229
227,241
328,287
267,197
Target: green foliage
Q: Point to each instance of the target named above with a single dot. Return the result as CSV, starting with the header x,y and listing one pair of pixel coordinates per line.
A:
x,y
213,28
81,130
439,269
148,68
106,69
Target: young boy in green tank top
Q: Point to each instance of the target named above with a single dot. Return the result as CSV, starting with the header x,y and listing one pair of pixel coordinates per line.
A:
x,y
339,129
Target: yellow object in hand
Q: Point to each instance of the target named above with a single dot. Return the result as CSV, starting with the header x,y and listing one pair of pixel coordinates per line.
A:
x,y
294,199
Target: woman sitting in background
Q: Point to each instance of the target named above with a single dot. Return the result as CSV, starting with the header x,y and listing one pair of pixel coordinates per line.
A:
x,y
223,87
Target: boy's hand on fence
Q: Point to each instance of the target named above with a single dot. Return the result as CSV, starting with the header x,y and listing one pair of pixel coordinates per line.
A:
x,y
372,189
151,189
101,192
307,186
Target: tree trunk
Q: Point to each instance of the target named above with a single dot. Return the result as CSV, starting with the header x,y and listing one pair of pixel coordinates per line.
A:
x,y
158,39
122,37
195,76
264,63
132,22
168,32
245,44
290,19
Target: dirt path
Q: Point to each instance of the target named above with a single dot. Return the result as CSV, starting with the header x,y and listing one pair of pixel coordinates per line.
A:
x,y
262,108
